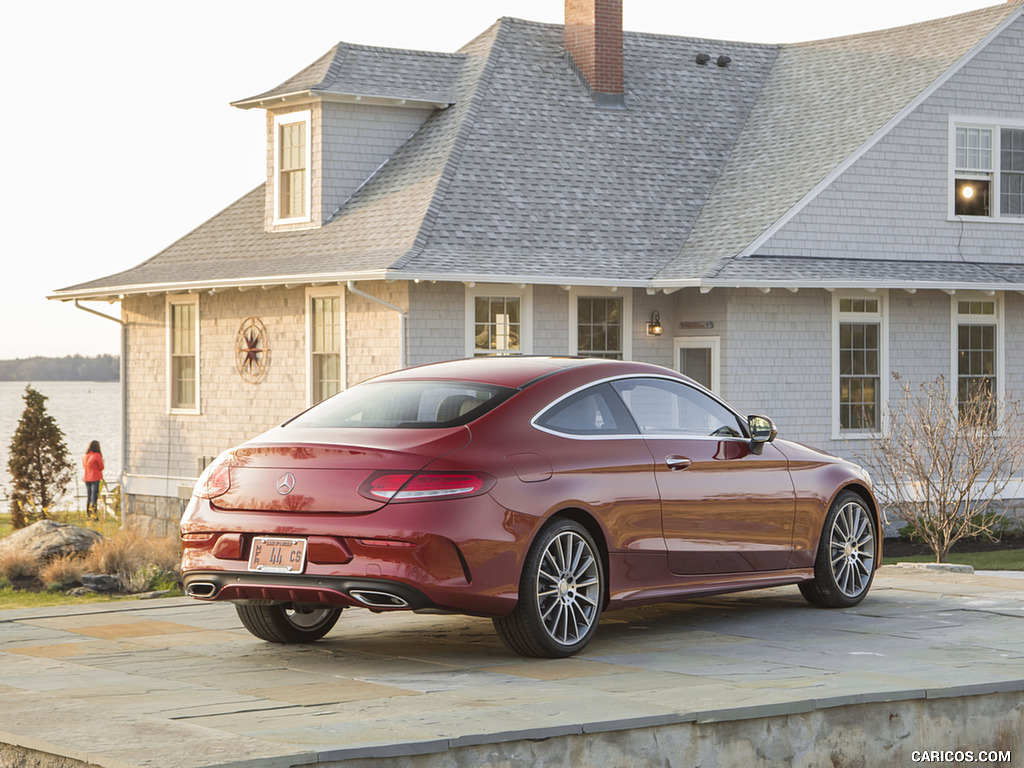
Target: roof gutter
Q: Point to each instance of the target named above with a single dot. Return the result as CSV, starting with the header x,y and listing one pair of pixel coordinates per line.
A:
x,y
403,319
122,369
296,97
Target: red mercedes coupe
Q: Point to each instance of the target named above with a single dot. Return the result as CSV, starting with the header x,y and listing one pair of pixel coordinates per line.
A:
x,y
535,491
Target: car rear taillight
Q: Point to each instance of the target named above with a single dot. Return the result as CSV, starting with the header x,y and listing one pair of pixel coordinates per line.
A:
x,y
409,486
215,480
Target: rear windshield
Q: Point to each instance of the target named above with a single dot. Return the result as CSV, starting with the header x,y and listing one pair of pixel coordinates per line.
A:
x,y
405,405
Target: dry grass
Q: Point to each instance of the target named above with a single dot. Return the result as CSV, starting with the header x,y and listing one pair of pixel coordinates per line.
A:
x,y
64,571
15,564
136,559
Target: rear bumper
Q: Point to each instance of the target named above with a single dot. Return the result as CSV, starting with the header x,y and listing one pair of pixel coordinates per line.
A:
x,y
461,556
375,594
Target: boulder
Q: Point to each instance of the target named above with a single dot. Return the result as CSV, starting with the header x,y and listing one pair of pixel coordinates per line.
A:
x,y
48,539
102,582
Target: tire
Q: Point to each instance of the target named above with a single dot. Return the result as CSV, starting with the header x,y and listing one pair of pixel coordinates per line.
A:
x,y
845,565
286,623
561,592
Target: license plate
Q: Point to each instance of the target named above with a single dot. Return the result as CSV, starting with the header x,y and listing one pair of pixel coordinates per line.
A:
x,y
272,554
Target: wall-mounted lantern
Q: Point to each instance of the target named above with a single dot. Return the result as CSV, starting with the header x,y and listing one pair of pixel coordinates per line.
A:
x,y
654,327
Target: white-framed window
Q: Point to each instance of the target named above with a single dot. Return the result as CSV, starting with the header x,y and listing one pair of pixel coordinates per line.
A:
x,y
987,169
292,163
860,363
601,322
325,342
499,320
699,358
183,354
977,346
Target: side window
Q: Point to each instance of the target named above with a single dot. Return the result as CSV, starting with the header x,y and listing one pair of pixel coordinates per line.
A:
x,y
183,354
499,320
978,346
663,407
595,411
325,342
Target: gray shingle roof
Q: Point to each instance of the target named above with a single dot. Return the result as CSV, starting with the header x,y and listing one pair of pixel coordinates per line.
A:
x,y
822,102
523,178
549,185
361,70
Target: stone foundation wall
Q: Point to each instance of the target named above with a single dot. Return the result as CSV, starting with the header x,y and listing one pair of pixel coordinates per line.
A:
x,y
896,733
156,516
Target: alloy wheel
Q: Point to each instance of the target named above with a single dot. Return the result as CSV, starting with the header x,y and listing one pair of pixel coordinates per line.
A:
x,y
852,549
568,588
309,618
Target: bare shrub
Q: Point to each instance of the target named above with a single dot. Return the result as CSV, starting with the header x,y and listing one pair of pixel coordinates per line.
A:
x,y
18,564
945,459
65,570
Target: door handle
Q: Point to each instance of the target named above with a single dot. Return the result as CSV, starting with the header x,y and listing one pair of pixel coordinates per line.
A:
x,y
677,462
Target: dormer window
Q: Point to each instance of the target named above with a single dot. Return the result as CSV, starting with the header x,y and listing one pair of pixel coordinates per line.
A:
x,y
291,164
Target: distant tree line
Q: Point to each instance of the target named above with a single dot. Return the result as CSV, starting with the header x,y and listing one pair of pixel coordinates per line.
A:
x,y
70,368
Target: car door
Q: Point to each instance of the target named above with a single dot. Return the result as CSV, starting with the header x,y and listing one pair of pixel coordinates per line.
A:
x,y
725,508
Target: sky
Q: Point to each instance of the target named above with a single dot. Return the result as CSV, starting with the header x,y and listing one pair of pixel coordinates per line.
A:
x,y
118,136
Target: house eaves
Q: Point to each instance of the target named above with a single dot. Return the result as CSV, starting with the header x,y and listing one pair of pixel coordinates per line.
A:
x,y
766,286
988,283
794,273
838,171
306,96
119,292
368,74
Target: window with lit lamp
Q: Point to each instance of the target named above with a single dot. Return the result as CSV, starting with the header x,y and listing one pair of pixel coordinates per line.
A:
x,y
988,170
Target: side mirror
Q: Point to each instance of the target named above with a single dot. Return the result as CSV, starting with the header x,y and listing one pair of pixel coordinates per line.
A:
x,y
762,430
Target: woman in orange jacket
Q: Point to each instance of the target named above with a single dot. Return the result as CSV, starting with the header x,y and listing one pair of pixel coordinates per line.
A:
x,y
93,463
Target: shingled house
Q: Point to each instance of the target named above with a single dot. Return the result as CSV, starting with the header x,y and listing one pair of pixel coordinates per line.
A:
x,y
797,220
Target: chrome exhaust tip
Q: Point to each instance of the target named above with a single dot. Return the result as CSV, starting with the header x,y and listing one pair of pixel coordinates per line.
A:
x,y
372,598
201,589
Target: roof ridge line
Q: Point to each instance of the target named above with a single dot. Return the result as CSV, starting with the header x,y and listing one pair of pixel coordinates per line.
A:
x,y
900,28
468,124
390,49
333,69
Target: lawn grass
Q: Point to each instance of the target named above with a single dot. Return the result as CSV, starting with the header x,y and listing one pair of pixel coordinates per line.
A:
x,y
11,599
106,525
998,560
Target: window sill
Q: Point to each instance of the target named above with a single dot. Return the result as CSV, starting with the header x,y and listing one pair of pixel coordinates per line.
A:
x,y
853,436
991,219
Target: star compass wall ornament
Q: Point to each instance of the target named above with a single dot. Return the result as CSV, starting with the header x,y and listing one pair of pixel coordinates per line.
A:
x,y
252,350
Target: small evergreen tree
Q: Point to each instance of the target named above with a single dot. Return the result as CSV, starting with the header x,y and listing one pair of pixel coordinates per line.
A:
x,y
39,464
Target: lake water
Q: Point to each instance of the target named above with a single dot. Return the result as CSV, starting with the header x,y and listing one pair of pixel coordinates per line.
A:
x,y
84,411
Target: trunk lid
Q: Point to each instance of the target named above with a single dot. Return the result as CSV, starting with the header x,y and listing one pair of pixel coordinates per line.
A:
x,y
321,469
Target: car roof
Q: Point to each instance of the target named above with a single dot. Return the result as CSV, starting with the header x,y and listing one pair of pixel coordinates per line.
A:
x,y
515,371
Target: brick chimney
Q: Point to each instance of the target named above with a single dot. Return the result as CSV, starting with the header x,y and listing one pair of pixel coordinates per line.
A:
x,y
593,39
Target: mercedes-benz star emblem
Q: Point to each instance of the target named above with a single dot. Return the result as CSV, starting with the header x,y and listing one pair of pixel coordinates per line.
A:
x,y
286,483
